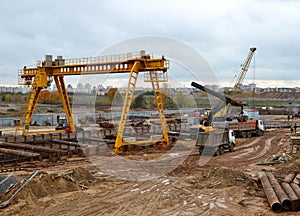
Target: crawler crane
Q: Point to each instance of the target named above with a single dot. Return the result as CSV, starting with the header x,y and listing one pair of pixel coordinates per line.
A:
x,y
41,77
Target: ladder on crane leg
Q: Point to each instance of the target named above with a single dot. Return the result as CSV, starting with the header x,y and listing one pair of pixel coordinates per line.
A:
x,y
154,77
159,104
126,106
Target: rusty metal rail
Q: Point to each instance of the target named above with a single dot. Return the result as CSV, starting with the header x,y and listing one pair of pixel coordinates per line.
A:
x,y
32,147
19,153
68,143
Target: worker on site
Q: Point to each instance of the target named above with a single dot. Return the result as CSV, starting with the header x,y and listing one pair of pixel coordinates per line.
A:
x,y
295,128
292,129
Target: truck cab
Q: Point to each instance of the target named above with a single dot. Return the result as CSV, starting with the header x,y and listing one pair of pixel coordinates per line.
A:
x,y
260,127
231,137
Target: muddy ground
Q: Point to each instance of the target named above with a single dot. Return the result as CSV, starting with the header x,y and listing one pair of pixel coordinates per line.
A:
x,y
226,185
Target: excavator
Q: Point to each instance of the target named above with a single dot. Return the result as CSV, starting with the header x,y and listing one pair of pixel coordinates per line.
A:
x,y
206,125
243,127
214,140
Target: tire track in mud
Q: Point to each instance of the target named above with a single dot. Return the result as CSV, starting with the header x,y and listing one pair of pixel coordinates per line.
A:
x,y
248,151
252,152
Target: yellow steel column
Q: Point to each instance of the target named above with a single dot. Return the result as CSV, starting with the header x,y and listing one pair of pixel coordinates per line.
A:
x,y
159,104
126,106
60,84
31,104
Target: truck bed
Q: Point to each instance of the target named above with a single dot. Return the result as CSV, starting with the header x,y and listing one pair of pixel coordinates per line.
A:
x,y
213,138
242,126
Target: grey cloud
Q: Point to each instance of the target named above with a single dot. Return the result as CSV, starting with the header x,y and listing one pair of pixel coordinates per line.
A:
x,y
222,33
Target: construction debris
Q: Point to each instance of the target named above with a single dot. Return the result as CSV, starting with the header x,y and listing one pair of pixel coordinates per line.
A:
x,y
7,202
276,159
213,184
294,143
295,140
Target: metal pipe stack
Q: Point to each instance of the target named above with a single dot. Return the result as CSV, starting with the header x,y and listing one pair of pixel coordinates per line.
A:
x,y
284,195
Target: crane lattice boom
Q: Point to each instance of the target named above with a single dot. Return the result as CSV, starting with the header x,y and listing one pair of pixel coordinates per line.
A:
x,y
243,73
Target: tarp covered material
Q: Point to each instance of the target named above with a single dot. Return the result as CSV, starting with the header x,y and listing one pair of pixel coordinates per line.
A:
x,y
6,182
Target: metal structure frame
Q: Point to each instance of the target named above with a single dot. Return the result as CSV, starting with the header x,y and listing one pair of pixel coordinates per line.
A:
x,y
243,73
41,77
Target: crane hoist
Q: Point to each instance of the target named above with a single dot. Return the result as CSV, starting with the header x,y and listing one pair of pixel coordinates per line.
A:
x,y
41,77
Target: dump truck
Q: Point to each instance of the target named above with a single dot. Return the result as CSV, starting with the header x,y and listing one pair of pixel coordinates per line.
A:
x,y
248,128
215,142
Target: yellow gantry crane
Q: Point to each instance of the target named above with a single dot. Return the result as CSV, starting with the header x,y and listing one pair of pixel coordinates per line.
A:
x,y
41,77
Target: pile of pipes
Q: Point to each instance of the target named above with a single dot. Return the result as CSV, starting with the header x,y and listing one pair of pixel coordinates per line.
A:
x,y
284,195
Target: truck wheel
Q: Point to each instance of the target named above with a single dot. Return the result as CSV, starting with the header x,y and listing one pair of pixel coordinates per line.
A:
x,y
217,152
260,133
200,150
221,150
248,134
231,147
243,134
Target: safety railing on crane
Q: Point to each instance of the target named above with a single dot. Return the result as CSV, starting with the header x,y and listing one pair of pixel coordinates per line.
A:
x,y
26,80
103,59
26,73
156,76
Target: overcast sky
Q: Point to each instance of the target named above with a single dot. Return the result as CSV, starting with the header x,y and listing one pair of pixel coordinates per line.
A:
x,y
221,31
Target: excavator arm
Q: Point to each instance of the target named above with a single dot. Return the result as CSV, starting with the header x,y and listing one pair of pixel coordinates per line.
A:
x,y
225,101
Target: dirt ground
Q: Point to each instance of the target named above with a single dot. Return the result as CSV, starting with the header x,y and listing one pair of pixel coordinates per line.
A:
x,y
226,185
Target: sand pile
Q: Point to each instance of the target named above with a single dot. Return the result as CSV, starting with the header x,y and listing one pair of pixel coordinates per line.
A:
x,y
50,184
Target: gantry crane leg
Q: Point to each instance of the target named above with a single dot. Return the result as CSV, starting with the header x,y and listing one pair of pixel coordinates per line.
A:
x,y
126,106
159,105
61,88
31,104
